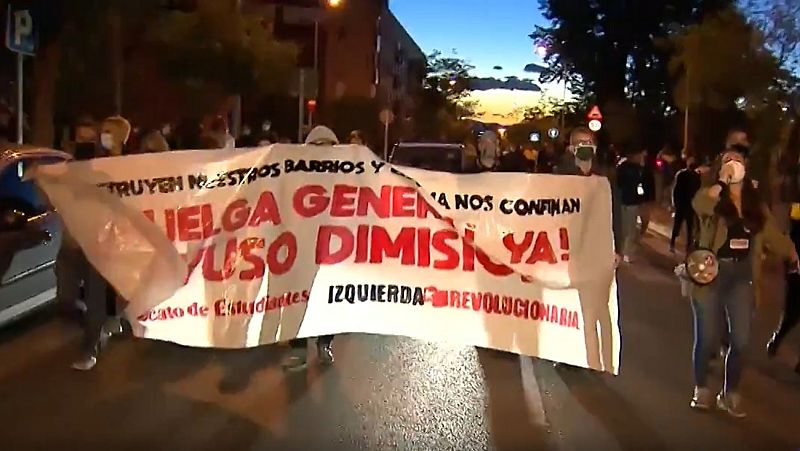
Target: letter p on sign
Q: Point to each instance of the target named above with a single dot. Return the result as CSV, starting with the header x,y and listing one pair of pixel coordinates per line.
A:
x,y
20,31
23,26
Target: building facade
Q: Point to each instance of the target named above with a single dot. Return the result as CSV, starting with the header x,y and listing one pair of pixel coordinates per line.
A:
x,y
356,49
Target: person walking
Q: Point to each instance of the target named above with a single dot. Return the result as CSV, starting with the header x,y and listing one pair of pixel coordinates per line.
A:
x,y
99,298
687,183
581,160
737,226
298,357
630,183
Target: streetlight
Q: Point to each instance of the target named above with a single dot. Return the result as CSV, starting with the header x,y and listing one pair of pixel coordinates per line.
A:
x,y
329,4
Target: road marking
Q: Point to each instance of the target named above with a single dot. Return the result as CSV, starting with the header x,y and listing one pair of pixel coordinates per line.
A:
x,y
533,395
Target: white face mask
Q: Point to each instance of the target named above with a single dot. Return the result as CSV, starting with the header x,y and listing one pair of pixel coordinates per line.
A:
x,y
107,141
166,130
737,171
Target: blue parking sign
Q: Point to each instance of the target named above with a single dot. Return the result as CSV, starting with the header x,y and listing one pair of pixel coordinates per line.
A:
x,y
21,36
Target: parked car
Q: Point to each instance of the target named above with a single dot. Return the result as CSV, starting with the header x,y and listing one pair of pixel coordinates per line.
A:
x,y
29,236
432,156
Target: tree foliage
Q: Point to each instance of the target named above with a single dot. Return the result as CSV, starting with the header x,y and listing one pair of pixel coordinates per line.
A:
x,y
217,47
609,50
711,59
444,100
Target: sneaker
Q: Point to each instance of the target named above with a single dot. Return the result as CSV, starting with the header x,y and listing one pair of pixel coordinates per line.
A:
x,y
113,327
325,354
731,403
294,363
85,363
703,399
772,346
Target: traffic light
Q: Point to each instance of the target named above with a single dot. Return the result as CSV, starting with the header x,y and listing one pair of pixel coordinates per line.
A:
x,y
311,105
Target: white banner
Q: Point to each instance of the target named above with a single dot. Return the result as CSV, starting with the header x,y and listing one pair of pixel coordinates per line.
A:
x,y
240,248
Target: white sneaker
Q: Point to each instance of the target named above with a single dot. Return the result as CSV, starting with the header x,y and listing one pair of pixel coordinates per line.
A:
x,y
731,403
325,354
703,399
85,363
294,363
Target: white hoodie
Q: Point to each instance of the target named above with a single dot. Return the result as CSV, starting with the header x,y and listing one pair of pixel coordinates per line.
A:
x,y
322,136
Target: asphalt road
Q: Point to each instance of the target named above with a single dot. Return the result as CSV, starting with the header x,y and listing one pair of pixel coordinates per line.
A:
x,y
393,393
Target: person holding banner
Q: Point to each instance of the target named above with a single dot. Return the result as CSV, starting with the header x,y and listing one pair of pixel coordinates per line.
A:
x,y
99,297
298,358
580,161
737,226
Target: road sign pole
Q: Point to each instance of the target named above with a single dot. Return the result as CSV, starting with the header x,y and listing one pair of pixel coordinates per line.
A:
x,y
20,109
301,105
386,140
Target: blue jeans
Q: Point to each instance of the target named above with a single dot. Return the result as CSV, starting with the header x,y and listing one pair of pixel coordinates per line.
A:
x,y
731,294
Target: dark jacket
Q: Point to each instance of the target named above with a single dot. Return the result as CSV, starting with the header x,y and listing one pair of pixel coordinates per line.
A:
x,y
630,177
687,183
567,166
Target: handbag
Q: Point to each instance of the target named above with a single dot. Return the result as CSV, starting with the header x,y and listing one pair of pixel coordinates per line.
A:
x,y
701,265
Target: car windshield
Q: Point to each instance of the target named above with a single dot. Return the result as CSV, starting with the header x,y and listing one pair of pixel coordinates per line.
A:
x,y
433,158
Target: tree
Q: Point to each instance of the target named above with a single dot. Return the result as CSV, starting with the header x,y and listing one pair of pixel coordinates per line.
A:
x,y
443,101
709,64
208,51
218,49
609,49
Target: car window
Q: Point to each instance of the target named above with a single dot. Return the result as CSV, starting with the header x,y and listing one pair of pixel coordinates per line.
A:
x,y
430,158
18,193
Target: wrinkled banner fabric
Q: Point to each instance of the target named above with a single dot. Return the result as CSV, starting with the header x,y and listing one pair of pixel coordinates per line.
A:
x,y
240,248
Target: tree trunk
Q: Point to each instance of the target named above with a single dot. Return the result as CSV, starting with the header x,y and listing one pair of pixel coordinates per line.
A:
x,y
45,67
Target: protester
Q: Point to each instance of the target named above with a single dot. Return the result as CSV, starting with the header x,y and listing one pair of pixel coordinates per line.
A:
x,y
488,151
737,225
581,160
630,181
791,303
99,297
687,183
650,197
298,358
70,264
217,135
154,142
357,138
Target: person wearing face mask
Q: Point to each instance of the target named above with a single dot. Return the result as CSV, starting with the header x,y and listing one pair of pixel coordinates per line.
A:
x,y
737,226
631,189
298,357
581,160
70,265
488,151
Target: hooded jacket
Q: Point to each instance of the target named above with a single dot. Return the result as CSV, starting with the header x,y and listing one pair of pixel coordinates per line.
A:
x,y
321,136
120,130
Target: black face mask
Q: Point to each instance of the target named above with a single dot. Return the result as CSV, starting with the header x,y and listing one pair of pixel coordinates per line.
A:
x,y
84,151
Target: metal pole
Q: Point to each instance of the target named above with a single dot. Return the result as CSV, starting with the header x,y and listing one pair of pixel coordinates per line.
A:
x,y
686,115
20,106
316,68
301,105
386,140
564,101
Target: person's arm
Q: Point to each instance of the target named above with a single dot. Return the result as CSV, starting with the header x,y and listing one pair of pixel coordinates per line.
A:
x,y
706,200
776,241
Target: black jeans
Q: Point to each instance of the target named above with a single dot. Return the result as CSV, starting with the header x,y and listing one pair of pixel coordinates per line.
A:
x,y
299,343
791,309
683,214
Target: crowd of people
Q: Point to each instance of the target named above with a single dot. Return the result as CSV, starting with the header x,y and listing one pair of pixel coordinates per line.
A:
x,y
718,204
